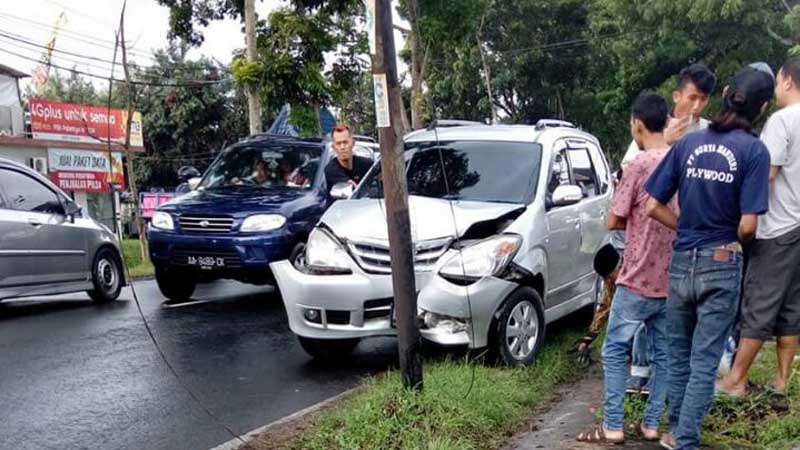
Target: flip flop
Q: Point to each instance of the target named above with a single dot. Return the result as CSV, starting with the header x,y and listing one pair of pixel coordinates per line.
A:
x,y
643,436
596,435
667,441
777,400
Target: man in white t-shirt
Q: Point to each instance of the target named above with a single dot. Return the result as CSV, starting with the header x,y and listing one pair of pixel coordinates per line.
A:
x,y
771,300
695,84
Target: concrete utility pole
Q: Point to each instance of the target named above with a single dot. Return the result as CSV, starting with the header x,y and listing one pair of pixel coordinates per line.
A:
x,y
253,102
389,110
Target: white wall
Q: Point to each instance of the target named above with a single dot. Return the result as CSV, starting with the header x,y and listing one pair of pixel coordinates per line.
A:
x,y
22,155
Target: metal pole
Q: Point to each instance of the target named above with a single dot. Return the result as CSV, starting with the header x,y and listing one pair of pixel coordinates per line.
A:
x,y
396,193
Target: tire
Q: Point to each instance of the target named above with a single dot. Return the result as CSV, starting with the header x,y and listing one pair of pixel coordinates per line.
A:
x,y
174,284
107,276
518,331
328,350
298,256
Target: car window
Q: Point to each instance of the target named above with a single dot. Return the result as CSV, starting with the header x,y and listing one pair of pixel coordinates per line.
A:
x,y
600,167
503,172
559,173
582,171
259,166
27,194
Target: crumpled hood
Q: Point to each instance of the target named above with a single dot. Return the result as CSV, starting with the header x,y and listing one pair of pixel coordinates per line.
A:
x,y
431,218
234,203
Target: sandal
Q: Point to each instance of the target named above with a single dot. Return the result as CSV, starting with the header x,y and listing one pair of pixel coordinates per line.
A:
x,y
777,400
643,436
596,435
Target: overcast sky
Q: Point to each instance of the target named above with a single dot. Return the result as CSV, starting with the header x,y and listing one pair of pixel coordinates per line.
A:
x,y
90,27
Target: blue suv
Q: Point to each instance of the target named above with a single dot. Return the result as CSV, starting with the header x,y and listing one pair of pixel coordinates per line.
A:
x,y
256,204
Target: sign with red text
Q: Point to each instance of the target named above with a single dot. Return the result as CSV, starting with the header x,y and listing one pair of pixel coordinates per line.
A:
x,y
85,170
82,123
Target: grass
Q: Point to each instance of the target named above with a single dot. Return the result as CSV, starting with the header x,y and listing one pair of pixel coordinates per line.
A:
x,y
133,259
747,423
750,423
443,416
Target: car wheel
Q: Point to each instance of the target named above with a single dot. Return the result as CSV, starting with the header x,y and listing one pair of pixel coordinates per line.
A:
x,y
174,284
298,256
106,276
519,328
328,350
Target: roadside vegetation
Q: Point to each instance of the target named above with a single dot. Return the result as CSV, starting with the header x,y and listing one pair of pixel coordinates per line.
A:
x,y
454,412
749,422
133,259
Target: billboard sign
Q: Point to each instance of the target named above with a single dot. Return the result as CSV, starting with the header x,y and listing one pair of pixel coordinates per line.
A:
x,y
85,170
82,123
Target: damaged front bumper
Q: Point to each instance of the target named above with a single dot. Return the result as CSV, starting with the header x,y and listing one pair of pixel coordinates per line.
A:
x,y
445,310
354,305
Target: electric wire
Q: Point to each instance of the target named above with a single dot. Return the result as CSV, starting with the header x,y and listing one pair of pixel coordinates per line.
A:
x,y
461,259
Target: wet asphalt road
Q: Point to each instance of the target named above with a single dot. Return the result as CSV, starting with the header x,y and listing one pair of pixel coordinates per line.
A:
x,y
74,375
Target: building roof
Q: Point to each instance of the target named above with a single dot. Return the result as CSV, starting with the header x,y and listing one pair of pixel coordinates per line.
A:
x,y
10,71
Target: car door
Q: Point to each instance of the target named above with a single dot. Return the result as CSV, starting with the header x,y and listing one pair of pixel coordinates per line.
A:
x,y
563,234
592,210
39,245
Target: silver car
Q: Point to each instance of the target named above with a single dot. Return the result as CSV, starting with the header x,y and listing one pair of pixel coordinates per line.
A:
x,y
47,246
503,243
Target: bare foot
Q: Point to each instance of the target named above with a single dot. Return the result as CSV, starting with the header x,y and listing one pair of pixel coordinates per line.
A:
x,y
730,389
648,434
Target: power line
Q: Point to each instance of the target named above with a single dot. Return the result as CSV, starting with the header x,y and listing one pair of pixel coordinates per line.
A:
x,y
186,83
22,39
80,37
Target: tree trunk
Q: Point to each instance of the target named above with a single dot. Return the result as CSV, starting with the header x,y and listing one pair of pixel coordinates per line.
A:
x,y
487,74
418,60
253,102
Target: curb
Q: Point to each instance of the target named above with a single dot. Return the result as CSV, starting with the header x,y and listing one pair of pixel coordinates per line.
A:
x,y
250,435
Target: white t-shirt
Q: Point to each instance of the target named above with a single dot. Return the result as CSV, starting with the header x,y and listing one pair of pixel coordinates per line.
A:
x,y
782,136
634,149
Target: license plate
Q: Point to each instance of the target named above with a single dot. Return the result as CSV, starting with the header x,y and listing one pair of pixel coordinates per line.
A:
x,y
206,262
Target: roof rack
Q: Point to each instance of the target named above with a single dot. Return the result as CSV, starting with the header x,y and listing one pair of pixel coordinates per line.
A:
x,y
553,123
449,123
362,138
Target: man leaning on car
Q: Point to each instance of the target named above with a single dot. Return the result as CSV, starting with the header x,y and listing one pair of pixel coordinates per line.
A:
x,y
346,167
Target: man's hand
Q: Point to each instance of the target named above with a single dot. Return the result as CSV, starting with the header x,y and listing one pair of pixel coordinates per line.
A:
x,y
747,228
660,212
676,129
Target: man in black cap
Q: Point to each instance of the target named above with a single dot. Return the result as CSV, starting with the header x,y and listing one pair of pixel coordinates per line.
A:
x,y
721,176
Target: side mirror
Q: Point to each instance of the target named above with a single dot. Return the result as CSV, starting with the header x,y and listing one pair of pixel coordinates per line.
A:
x,y
71,209
194,182
567,194
341,191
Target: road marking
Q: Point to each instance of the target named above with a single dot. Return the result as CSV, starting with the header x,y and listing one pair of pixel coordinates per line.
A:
x,y
250,435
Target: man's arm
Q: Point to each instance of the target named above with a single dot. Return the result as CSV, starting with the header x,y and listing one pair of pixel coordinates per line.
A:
x,y
660,212
616,222
747,227
773,173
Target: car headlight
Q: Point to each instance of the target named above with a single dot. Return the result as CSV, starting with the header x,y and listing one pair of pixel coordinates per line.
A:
x,y
262,222
162,220
324,254
486,258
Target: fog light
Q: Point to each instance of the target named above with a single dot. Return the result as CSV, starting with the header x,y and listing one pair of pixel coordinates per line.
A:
x,y
446,324
313,315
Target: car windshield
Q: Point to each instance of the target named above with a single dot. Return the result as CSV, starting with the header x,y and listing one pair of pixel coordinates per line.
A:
x,y
504,172
272,167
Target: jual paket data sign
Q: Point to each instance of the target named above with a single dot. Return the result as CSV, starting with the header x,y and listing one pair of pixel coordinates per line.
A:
x,y
84,170
82,123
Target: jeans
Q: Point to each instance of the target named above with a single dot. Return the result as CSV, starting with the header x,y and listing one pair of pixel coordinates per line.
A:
x,y
640,357
628,311
701,309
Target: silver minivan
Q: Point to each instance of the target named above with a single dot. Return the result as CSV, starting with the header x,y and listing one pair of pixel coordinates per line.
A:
x,y
47,246
504,239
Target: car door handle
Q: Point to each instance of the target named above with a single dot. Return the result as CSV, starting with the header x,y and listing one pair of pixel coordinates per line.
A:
x,y
571,221
34,222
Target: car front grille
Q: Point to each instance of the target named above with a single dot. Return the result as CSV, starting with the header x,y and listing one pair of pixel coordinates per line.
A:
x,y
180,256
206,225
378,309
373,256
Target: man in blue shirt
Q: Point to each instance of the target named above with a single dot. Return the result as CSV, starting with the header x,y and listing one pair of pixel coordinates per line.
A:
x,y
721,176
